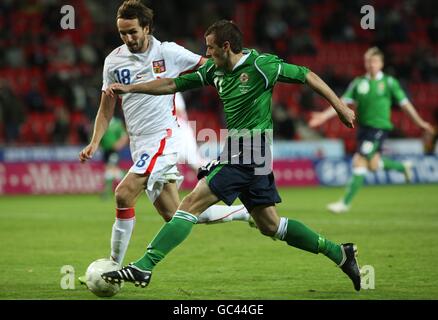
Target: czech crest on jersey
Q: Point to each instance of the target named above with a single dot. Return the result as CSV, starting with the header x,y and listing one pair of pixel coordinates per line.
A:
x,y
159,66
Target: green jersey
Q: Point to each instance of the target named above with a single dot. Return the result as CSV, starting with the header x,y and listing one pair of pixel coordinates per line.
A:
x,y
246,91
113,133
373,98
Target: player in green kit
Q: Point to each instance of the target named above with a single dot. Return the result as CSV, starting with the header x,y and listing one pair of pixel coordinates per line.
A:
x,y
244,80
373,94
114,139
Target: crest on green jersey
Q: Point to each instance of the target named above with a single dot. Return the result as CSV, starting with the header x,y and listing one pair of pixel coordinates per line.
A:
x,y
381,87
243,87
244,78
363,87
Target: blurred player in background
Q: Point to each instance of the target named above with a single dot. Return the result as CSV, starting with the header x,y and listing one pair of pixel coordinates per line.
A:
x,y
372,94
151,124
114,139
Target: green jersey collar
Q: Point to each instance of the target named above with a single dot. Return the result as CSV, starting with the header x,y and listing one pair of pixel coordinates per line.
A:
x,y
247,53
379,76
242,60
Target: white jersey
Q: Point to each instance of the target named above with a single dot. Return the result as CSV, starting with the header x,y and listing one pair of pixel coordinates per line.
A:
x,y
180,106
147,114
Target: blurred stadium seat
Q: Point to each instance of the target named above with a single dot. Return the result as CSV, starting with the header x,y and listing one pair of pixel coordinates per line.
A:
x,y
39,55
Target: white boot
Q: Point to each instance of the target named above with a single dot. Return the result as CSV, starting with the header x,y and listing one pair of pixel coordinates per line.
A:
x,y
338,207
409,173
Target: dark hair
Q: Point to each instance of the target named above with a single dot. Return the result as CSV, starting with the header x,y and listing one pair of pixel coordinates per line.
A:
x,y
225,30
134,9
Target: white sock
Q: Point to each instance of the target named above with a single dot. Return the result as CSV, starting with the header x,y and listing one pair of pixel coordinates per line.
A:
x,y
121,233
109,175
282,229
217,214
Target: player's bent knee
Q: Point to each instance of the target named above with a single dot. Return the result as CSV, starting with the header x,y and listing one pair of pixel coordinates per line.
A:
x,y
374,165
119,192
123,195
166,214
193,203
268,231
187,203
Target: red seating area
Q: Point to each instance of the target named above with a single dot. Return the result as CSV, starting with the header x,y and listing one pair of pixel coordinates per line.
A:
x,y
205,120
20,79
344,59
28,22
38,128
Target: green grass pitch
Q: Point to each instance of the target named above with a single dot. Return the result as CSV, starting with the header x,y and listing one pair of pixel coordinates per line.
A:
x,y
395,228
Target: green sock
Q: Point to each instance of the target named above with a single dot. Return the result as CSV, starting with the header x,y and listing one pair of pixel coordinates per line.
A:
x,y
389,164
170,236
301,237
330,249
356,181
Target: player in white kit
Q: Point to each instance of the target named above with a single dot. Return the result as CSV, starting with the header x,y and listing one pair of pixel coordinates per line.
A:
x,y
151,124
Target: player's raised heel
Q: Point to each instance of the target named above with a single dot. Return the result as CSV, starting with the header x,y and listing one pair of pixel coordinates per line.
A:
x,y
129,273
350,266
252,224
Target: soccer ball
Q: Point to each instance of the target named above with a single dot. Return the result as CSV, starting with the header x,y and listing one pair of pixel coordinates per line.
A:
x,y
94,281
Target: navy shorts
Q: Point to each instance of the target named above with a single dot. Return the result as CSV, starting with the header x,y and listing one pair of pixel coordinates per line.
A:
x,y
370,141
231,181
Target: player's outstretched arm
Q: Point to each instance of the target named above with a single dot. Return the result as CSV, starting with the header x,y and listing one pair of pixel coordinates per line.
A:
x,y
155,87
345,114
318,118
103,117
413,114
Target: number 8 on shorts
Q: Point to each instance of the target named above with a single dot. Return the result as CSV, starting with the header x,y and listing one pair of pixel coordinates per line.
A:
x,y
140,163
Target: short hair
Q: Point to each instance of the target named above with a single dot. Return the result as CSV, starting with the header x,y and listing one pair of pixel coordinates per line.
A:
x,y
134,9
374,51
225,30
